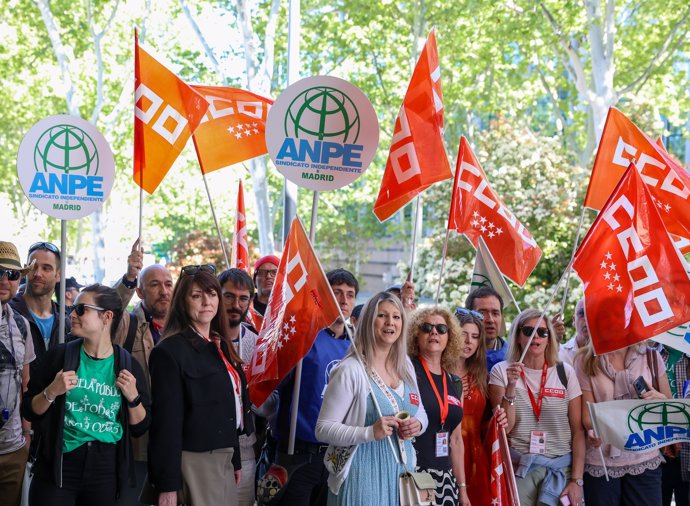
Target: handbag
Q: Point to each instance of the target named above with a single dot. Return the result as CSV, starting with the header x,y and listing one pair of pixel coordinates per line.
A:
x,y
416,489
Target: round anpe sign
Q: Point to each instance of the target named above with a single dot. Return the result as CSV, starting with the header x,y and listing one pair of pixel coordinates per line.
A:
x,y
322,133
65,167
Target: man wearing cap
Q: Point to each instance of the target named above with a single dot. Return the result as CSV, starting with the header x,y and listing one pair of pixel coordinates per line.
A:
x,y
265,272
16,353
36,304
72,289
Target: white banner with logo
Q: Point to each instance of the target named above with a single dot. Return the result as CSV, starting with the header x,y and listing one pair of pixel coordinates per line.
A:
x,y
638,425
65,167
322,133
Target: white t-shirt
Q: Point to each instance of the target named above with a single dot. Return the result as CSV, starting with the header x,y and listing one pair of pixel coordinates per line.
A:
x,y
553,418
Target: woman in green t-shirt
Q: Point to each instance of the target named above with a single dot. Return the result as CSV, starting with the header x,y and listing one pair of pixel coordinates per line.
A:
x,y
87,398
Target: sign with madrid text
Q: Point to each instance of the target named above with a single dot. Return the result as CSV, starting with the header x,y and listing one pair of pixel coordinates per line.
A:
x,y
65,167
322,133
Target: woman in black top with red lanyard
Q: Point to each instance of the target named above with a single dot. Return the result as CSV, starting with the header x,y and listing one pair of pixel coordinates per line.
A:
x,y
200,402
434,344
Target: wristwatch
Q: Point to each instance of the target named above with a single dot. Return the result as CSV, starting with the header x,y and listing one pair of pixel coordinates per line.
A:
x,y
578,481
510,400
134,403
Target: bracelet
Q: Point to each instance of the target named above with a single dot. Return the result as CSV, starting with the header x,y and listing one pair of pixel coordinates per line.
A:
x,y
135,402
462,485
45,394
27,432
510,400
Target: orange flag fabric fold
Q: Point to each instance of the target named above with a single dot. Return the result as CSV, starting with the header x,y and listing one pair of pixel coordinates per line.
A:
x,y
240,250
166,112
636,281
233,129
417,157
477,211
301,304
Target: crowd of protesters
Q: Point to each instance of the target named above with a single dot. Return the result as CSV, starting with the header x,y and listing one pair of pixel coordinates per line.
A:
x,y
152,406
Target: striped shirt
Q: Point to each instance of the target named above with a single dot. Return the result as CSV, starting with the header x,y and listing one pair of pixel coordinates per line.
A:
x,y
554,410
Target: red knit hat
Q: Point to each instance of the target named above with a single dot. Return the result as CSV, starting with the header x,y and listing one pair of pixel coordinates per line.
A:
x,y
268,259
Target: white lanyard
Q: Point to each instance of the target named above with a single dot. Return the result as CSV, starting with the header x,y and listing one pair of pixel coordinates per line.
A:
x,y
384,388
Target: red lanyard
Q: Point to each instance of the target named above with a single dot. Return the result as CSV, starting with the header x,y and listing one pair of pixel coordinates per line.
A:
x,y
536,405
443,405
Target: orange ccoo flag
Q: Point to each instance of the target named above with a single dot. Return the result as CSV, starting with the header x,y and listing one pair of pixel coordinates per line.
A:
x,y
166,112
417,157
233,129
477,211
301,304
636,281
622,142
240,250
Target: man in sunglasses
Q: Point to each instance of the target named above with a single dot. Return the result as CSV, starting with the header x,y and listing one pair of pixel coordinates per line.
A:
x,y
36,303
16,353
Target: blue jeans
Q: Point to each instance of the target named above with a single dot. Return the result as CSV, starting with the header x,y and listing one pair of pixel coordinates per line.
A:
x,y
629,490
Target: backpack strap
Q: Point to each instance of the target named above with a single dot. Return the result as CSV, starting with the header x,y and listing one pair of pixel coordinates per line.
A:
x,y
131,332
560,369
72,355
21,324
124,359
653,367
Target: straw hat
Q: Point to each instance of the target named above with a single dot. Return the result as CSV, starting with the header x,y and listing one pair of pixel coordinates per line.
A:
x,y
9,258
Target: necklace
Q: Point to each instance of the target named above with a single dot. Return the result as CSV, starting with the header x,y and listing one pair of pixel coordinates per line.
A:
x,y
467,385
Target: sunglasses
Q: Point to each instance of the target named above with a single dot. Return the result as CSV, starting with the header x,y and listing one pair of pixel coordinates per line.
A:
x,y
441,328
191,270
461,311
541,331
81,308
11,274
48,246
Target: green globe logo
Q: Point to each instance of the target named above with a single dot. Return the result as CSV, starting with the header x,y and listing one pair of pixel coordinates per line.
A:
x,y
648,415
66,148
325,113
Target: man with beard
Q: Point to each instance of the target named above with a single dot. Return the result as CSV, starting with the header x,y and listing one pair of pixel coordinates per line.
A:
x,y
16,353
265,272
138,333
237,291
36,304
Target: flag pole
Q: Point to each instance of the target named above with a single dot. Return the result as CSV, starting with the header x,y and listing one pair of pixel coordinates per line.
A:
x,y
63,280
141,211
596,434
443,265
298,368
414,238
567,278
213,212
511,473
543,312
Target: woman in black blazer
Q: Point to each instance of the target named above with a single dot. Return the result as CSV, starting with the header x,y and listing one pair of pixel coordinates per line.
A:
x,y
200,400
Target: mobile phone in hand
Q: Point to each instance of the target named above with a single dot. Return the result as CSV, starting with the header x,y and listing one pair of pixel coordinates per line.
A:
x,y
565,500
640,386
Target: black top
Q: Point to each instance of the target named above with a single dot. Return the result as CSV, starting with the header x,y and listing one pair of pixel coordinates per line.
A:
x,y
425,445
193,406
49,427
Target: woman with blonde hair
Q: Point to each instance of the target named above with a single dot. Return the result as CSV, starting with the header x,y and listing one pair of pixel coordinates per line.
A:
x,y
434,346
368,406
634,478
542,399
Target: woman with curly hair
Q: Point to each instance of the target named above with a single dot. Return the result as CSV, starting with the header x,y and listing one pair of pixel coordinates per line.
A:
x,y
434,345
471,367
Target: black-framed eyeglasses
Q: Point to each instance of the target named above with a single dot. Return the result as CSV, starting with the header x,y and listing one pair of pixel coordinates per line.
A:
x,y
11,274
541,331
231,298
264,273
191,270
81,308
43,245
427,327
461,311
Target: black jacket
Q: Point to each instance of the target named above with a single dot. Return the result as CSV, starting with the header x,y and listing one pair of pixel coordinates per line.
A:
x,y
49,427
193,406
19,304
